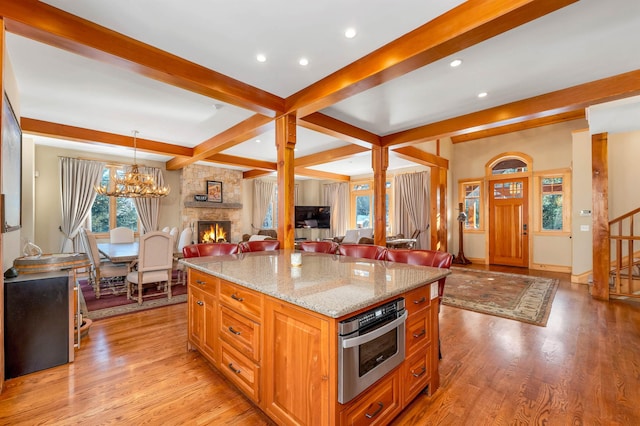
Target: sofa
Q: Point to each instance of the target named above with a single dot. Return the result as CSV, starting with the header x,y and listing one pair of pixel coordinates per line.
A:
x,y
263,234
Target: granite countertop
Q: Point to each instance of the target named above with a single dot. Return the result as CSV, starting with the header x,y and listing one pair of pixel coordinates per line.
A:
x,y
331,285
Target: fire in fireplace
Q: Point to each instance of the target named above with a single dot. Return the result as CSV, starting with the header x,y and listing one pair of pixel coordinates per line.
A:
x,y
212,231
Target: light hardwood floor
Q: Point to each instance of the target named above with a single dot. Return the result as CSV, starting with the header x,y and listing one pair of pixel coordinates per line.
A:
x,y
583,368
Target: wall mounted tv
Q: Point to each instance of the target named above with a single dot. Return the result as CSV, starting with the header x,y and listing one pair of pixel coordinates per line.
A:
x,y
313,216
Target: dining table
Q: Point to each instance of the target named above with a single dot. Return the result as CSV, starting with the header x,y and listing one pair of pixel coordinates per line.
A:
x,y
120,252
124,252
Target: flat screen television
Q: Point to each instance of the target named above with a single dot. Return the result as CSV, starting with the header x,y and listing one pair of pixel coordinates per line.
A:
x,y
313,216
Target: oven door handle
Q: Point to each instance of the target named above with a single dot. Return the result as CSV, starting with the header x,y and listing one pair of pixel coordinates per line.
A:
x,y
356,341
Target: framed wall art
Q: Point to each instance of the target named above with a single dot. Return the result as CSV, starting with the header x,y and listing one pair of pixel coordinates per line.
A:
x,y
214,191
11,169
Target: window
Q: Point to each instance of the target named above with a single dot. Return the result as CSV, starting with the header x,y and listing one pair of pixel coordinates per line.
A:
x,y
471,199
553,195
362,205
111,212
271,218
552,203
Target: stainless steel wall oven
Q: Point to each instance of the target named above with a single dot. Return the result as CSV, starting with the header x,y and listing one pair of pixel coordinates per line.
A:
x,y
370,345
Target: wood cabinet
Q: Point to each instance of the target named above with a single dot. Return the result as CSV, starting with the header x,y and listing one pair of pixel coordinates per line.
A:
x,y
202,313
301,380
284,357
377,406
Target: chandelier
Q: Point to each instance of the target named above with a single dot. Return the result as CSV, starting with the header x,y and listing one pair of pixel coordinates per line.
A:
x,y
133,184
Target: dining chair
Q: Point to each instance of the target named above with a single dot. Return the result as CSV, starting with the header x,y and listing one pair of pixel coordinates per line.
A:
x,y
434,258
154,265
174,235
264,245
186,238
209,249
121,235
102,273
365,251
319,246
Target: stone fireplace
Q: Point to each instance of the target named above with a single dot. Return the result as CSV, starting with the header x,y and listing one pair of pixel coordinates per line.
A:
x,y
193,182
212,231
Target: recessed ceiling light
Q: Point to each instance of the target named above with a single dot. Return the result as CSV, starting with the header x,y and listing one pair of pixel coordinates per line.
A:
x,y
350,33
456,63
304,62
261,58
482,94
257,140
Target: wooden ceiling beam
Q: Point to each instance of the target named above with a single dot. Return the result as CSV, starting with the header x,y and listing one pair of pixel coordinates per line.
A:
x,y
316,174
562,101
252,174
330,126
95,137
517,127
41,22
269,166
468,24
423,158
249,128
329,156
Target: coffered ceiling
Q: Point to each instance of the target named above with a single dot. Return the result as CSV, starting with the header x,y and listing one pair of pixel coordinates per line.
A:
x,y
185,74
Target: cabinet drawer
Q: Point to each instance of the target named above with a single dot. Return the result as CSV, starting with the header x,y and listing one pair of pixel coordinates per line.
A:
x,y
241,299
377,406
240,370
416,373
418,332
240,332
418,299
202,281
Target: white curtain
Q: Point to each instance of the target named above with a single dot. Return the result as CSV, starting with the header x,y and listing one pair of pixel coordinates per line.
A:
x,y
149,208
336,195
296,193
262,197
77,194
412,206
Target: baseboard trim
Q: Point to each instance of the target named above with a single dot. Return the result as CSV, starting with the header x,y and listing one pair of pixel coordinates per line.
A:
x,y
584,278
552,268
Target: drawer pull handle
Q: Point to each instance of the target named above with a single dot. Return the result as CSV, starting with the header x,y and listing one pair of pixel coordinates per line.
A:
x,y
201,282
233,369
424,370
421,300
375,413
200,302
237,333
239,299
422,333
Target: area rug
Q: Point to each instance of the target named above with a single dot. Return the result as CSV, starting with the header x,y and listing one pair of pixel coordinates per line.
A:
x,y
522,298
113,300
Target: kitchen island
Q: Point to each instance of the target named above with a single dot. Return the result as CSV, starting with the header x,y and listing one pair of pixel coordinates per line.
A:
x,y
272,329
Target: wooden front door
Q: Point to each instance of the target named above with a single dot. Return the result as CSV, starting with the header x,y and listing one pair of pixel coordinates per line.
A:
x,y
508,222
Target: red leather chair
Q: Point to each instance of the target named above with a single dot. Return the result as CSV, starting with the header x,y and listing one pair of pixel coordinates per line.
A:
x,y
319,246
263,245
209,249
437,259
365,251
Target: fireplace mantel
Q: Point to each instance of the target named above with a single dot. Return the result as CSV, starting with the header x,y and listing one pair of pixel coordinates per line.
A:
x,y
211,205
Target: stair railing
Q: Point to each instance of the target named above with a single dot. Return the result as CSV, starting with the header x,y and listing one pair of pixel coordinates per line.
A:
x,y
624,256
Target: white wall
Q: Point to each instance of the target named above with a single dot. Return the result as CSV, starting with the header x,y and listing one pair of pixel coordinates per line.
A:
x,y
550,148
